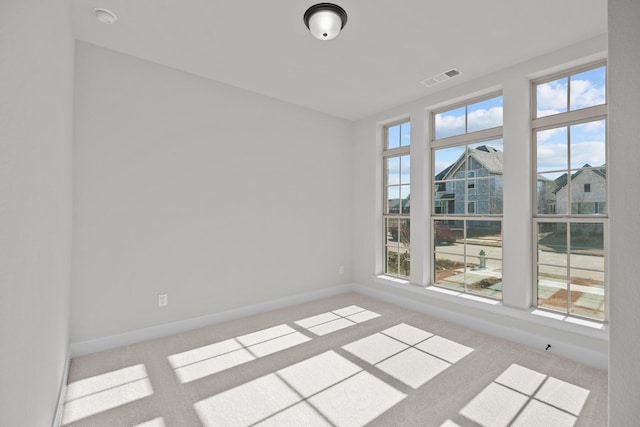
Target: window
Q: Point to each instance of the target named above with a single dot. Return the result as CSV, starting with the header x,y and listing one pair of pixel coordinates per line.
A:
x,y
569,139
397,200
466,221
471,182
471,207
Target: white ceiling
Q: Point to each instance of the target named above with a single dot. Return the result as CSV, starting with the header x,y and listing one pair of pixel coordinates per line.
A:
x,y
377,62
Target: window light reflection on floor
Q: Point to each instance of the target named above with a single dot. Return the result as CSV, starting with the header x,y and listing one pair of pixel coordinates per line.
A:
x,y
156,422
324,390
524,397
409,354
210,359
335,320
103,392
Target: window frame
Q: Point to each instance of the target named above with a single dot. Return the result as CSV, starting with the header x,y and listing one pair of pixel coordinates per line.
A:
x,y
388,153
554,121
465,139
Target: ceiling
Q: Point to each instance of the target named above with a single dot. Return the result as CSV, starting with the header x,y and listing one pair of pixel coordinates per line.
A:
x,y
377,62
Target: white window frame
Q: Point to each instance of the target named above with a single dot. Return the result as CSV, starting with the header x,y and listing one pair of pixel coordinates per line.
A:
x,y
567,119
387,154
465,139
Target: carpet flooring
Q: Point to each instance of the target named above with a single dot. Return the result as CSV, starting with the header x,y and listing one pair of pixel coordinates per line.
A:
x,y
347,360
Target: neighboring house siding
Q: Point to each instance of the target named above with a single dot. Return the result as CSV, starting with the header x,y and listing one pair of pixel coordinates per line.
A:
x,y
483,188
591,202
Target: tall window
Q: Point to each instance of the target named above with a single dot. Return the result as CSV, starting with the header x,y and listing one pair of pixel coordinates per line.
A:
x,y
570,216
397,200
467,197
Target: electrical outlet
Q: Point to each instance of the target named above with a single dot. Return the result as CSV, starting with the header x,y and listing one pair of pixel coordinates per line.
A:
x,y
163,300
341,269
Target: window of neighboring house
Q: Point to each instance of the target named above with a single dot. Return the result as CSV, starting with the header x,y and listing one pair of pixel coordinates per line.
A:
x,y
397,200
471,182
466,221
471,208
570,218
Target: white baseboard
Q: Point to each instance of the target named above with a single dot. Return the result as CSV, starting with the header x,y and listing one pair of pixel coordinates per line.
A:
x,y
153,332
62,392
514,325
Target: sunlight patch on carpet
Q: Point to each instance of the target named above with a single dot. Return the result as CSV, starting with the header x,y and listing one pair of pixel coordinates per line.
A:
x,y
409,354
325,323
207,360
524,397
324,390
103,392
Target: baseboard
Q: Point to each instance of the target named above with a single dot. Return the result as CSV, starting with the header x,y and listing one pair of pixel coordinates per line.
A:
x,y
511,326
62,392
114,341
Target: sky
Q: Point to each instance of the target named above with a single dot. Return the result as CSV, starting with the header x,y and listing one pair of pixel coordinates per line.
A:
x,y
571,146
582,143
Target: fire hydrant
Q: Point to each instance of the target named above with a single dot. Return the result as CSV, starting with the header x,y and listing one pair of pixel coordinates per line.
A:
x,y
483,260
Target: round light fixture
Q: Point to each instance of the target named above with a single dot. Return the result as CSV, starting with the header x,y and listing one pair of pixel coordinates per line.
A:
x,y
105,16
325,20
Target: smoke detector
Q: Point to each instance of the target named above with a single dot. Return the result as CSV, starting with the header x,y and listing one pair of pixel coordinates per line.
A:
x,y
105,16
442,77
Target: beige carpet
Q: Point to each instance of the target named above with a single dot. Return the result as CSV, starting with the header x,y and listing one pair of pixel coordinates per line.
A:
x,y
348,360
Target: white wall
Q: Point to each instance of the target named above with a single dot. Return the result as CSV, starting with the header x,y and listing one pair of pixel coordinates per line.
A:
x,y
217,196
517,230
36,84
624,152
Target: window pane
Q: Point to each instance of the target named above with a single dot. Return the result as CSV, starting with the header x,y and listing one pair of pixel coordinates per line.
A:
x,y
485,114
392,231
493,151
449,270
588,144
444,161
487,197
447,233
551,97
404,258
391,260
593,201
552,243
405,196
488,282
393,170
405,234
450,123
405,134
551,194
393,137
445,194
551,149
587,246
405,170
587,293
552,288
588,88
484,238
393,199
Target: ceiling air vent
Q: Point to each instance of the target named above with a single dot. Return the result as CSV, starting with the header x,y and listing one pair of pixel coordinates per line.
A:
x,y
439,78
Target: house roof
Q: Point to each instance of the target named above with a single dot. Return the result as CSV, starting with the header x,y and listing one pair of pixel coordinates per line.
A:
x,y
561,181
490,158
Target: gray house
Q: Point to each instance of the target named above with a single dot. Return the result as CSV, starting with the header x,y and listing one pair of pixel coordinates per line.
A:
x,y
472,184
588,191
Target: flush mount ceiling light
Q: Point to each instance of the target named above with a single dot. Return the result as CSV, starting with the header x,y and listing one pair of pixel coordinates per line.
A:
x,y
105,16
325,20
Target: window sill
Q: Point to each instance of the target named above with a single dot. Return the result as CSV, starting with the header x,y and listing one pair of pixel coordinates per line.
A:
x,y
581,326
